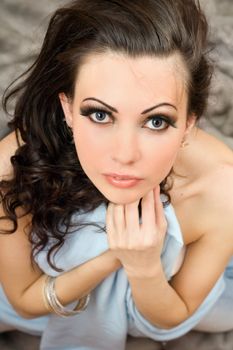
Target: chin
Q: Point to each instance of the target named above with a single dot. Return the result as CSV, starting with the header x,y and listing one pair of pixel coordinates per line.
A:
x,y
122,198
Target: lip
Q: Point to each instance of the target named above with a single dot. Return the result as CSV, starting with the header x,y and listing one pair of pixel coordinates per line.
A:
x,y
123,176
122,180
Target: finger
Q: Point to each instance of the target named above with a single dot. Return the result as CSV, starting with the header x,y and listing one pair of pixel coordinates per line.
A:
x,y
148,213
132,225
110,227
119,222
159,211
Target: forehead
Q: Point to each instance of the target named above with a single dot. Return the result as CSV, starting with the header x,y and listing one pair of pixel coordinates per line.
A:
x,y
118,77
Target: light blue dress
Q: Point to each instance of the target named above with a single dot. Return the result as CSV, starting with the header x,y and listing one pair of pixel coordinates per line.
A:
x,y
111,313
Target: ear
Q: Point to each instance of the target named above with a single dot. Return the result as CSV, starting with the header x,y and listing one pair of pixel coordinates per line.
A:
x,y
67,108
191,121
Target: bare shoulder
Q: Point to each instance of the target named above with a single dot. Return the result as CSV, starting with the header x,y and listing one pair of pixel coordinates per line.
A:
x,y
204,199
8,146
217,196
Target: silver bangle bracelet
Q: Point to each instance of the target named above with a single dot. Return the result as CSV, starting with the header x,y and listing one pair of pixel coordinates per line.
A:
x,y
52,302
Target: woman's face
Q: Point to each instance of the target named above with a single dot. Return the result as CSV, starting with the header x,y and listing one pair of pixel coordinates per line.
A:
x,y
129,117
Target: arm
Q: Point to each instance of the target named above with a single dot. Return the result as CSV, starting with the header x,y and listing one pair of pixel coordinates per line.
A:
x,y
168,304
22,282
162,303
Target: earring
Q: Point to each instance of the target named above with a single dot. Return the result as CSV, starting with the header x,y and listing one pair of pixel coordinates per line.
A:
x,y
184,143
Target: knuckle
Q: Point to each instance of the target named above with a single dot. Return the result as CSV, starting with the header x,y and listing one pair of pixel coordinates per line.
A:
x,y
112,246
121,246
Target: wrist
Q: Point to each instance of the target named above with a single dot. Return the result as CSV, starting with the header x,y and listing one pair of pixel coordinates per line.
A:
x,y
147,273
106,262
112,260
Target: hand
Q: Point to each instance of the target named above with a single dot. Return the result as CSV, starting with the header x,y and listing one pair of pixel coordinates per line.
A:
x,y
137,245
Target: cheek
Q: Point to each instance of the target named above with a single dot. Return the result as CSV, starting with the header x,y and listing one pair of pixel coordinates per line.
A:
x,y
161,158
88,146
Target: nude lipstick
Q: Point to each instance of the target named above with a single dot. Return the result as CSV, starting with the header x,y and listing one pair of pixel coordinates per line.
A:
x,y
122,181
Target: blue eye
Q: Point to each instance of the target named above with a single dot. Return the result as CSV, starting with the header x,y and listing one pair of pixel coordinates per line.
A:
x,y
96,115
157,123
99,116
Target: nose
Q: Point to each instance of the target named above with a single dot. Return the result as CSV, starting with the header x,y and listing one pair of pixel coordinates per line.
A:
x,y
125,148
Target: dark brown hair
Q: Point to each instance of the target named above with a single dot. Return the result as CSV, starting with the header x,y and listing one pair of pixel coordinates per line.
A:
x,y
48,181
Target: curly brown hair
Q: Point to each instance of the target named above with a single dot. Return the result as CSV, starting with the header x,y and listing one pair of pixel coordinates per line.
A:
x,y
48,181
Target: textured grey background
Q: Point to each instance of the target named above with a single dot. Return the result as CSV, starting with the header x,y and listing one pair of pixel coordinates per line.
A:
x,y
22,24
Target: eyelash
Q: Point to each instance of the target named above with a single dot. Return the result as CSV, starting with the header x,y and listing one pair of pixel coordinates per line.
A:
x,y
88,110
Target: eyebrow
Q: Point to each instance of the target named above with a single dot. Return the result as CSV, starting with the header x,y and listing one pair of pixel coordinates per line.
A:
x,y
116,111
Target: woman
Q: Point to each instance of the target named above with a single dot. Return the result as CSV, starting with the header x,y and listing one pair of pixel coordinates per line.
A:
x,y
127,93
